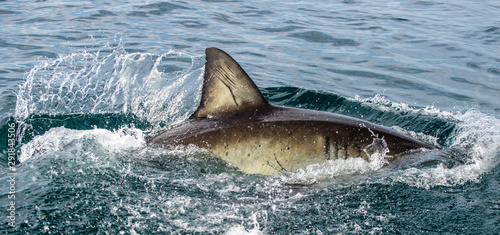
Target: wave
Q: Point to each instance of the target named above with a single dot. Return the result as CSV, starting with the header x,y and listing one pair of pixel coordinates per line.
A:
x,y
94,152
129,96
177,183
154,88
473,149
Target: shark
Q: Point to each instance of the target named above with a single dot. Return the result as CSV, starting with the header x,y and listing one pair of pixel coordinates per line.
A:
x,y
236,123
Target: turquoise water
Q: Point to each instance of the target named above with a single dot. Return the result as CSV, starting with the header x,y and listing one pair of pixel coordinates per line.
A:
x,y
84,84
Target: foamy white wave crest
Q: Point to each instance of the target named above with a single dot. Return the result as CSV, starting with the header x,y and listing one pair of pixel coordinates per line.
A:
x,y
150,86
63,139
237,230
477,130
256,230
382,103
477,139
159,88
334,168
480,135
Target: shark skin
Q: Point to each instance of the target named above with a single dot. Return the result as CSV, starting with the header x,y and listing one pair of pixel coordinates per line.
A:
x,y
236,123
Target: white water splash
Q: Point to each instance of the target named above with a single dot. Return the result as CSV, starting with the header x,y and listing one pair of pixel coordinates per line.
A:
x,y
117,82
477,139
332,169
479,134
61,139
256,230
382,103
135,83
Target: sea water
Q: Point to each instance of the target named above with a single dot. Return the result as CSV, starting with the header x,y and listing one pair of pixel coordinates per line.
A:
x,y
85,84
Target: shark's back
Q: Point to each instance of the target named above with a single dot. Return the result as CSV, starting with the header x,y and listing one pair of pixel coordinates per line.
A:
x,y
236,123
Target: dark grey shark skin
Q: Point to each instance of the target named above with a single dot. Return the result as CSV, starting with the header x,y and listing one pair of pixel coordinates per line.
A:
x,y
236,123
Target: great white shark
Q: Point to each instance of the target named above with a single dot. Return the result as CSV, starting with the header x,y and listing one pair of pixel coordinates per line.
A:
x,y
236,123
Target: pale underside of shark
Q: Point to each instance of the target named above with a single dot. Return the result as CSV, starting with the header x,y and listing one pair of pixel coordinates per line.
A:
x,y
236,123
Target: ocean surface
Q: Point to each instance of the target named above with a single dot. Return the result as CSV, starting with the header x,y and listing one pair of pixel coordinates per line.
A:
x,y
84,84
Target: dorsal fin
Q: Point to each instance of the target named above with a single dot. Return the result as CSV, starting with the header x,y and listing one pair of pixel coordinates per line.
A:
x,y
227,89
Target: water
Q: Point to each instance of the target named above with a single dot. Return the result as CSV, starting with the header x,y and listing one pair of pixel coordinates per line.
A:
x,y
84,84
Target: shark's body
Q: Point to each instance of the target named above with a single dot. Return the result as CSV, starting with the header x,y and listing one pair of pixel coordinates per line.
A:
x,y
236,123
